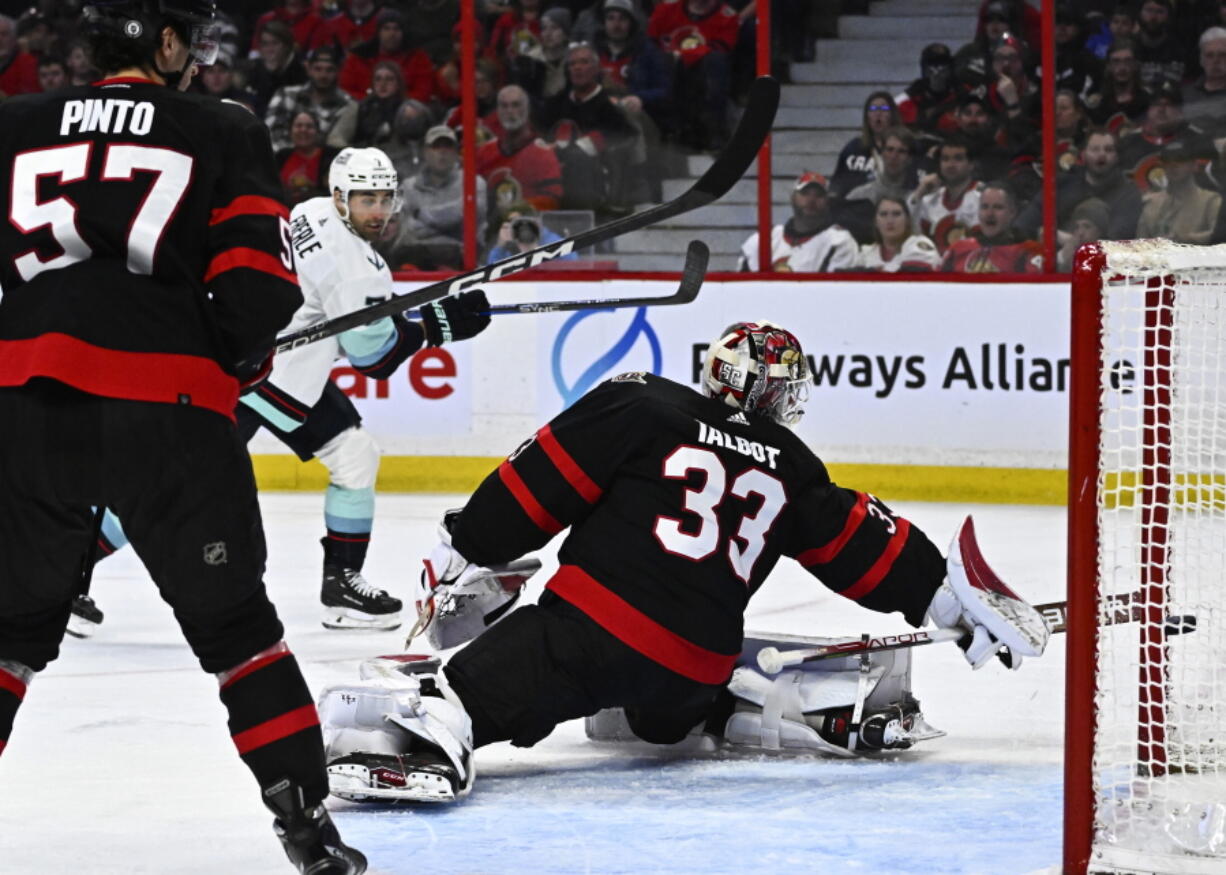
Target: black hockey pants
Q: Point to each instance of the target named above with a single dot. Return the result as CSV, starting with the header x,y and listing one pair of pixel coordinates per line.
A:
x,y
549,662
180,480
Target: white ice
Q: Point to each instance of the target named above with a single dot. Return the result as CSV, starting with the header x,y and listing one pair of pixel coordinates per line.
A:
x,y
120,760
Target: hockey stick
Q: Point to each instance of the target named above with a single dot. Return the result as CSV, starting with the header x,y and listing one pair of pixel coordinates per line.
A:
x,y
696,257
730,165
695,271
772,660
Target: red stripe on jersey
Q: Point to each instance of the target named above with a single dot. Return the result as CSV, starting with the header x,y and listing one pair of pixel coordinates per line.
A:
x,y
248,205
882,566
519,490
266,657
822,555
273,396
163,377
254,259
635,629
569,468
2,745
276,729
12,684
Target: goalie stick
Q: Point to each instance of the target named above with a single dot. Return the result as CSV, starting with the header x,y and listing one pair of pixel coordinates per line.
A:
x,y
772,660
730,165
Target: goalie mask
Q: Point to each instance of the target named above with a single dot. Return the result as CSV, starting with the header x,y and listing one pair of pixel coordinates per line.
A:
x,y
356,170
759,368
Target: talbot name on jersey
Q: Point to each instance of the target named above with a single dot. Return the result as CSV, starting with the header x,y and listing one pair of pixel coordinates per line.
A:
x,y
110,115
708,434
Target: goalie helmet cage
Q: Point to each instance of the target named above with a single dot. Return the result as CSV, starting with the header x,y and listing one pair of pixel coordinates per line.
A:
x,y
1145,715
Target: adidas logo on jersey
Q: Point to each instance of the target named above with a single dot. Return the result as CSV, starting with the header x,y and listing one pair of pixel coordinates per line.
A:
x,y
739,418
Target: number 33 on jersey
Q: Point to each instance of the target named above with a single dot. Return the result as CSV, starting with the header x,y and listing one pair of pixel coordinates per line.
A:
x,y
679,507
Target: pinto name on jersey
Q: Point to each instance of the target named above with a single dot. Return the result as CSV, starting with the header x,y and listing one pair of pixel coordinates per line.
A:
x,y
109,115
712,436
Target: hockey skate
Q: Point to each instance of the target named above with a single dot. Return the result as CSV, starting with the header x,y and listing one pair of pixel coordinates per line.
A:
x,y
419,776
85,618
895,727
352,603
308,835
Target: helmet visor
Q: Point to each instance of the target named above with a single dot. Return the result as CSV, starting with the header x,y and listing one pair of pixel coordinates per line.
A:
x,y
205,44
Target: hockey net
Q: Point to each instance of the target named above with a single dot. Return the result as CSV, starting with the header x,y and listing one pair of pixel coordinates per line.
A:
x,y
1145,765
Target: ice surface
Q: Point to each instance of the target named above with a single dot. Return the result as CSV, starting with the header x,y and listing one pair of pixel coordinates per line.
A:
x,y
120,760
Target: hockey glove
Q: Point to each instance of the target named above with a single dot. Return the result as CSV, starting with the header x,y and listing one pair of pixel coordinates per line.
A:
x,y
455,317
254,371
456,600
995,619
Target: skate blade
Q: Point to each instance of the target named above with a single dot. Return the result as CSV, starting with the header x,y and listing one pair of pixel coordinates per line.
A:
x,y
79,627
348,618
353,782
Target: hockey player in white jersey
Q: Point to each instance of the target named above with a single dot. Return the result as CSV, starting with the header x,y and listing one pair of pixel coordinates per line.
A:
x,y
340,272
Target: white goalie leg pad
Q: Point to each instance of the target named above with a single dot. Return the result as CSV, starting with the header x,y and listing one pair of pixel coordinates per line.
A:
x,y
812,708
397,737
352,459
777,719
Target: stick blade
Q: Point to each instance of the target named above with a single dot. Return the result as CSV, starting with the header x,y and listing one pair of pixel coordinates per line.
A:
x,y
697,256
746,140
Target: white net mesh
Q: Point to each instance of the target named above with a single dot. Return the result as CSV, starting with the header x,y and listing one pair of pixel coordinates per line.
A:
x,y
1160,744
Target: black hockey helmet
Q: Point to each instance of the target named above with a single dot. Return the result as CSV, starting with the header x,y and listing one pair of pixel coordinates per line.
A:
x,y
141,21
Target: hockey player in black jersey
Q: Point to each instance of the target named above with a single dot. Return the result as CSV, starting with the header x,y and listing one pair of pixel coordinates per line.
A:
x,y
145,269
678,506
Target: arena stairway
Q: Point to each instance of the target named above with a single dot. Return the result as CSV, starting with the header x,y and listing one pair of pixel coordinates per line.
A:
x,y
819,111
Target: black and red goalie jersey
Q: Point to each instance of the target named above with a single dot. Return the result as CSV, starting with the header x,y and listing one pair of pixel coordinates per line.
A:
x,y
145,251
679,506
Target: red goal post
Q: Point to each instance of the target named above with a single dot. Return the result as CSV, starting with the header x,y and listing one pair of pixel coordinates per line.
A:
x,y
1145,757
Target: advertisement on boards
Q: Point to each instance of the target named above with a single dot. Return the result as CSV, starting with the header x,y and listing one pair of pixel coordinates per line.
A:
x,y
903,372
907,373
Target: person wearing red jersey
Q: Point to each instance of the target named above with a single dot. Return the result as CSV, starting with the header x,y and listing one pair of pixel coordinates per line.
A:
x,y
306,24
928,103
518,30
701,35
679,503
356,24
388,45
146,272
996,247
515,166
18,69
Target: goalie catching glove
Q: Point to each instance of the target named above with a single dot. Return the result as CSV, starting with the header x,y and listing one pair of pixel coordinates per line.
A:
x,y
455,317
456,600
996,620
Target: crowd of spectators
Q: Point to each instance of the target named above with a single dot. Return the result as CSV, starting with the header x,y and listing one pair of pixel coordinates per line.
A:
x,y
953,163
581,104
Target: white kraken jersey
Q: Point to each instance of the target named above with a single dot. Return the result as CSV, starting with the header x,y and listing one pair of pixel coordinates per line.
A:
x,y
916,253
832,249
339,272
